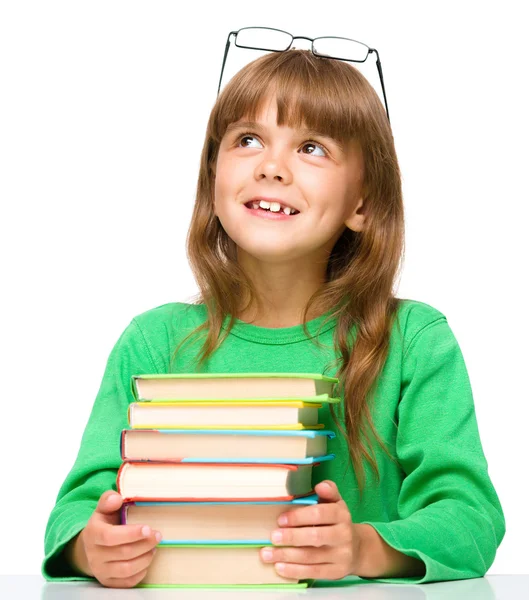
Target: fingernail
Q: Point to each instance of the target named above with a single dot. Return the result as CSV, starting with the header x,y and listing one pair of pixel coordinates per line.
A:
x,y
146,531
158,536
282,520
266,554
277,537
280,566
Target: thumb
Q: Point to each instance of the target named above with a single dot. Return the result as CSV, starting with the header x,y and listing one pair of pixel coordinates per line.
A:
x,y
327,491
107,508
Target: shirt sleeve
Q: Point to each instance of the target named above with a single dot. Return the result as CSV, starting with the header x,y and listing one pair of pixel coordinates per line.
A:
x,y
450,516
98,458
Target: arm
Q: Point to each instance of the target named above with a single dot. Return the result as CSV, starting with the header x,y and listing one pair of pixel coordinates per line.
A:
x,y
75,556
450,516
379,559
98,459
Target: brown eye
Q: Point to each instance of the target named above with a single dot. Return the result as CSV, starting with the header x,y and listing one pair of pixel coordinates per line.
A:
x,y
249,135
244,136
316,145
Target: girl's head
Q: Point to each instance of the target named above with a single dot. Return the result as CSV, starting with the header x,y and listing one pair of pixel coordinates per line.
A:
x,y
320,140
347,186
317,174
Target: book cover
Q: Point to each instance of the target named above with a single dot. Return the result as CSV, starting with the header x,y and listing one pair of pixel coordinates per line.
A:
x,y
224,414
231,386
205,522
215,566
224,436
296,476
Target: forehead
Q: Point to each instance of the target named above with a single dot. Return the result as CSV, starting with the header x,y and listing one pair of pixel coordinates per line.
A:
x,y
266,114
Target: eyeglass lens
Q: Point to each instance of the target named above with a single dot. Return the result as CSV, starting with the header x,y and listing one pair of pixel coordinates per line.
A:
x,y
278,41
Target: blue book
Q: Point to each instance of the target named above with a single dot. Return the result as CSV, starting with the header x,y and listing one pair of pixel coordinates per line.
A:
x,y
227,445
212,523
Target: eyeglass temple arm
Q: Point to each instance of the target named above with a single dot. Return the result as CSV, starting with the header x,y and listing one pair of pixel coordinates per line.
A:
x,y
379,67
224,59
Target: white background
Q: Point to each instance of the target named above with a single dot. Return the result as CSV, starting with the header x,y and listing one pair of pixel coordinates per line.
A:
x,y
103,108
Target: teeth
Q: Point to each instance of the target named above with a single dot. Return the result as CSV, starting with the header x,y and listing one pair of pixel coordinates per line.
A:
x,y
274,207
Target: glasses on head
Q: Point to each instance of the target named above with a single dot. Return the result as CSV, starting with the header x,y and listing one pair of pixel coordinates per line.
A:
x,y
276,40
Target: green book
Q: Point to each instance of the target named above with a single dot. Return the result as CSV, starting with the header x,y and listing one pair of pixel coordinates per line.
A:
x,y
215,566
196,387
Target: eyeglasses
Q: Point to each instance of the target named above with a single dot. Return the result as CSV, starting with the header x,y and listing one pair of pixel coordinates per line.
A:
x,y
276,40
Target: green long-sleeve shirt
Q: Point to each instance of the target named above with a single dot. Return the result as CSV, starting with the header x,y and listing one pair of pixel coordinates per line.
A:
x,y
437,503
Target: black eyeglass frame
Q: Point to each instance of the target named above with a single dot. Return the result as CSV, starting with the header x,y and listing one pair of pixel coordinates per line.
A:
x,y
297,37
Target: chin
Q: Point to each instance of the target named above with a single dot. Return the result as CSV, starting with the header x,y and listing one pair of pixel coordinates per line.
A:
x,y
274,254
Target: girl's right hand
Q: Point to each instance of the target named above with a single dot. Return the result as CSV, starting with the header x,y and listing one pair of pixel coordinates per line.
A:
x,y
116,555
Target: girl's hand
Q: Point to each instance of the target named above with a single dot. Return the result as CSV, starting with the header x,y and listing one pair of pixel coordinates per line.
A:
x,y
118,556
321,539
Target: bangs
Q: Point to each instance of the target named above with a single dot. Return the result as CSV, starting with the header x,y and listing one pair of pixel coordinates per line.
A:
x,y
317,94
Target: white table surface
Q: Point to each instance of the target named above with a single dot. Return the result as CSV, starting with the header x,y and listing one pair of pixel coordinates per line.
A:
x,y
490,587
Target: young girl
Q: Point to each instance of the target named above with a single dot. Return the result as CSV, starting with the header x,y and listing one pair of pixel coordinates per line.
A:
x,y
408,497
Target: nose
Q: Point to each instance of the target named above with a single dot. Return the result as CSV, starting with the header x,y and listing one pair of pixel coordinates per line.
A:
x,y
274,163
273,169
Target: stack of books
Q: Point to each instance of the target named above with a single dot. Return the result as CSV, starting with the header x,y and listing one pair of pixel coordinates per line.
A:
x,y
211,461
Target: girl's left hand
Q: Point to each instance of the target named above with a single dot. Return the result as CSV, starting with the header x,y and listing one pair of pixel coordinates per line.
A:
x,y
321,539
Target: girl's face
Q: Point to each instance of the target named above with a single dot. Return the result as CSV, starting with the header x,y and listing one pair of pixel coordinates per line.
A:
x,y
309,172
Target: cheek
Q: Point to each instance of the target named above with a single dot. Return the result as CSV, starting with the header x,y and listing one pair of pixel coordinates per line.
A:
x,y
221,185
228,179
321,184
326,195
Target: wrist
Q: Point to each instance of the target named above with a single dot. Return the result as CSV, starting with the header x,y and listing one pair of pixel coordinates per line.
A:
x,y
76,555
362,550
375,558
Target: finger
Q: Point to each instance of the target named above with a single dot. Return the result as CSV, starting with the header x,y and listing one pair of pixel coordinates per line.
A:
x,y
126,582
320,571
315,514
322,535
122,569
303,555
127,551
328,491
108,506
115,535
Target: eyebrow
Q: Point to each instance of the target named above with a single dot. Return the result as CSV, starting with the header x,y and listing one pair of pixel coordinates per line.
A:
x,y
304,131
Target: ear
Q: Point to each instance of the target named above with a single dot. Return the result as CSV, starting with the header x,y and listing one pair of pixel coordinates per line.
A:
x,y
356,221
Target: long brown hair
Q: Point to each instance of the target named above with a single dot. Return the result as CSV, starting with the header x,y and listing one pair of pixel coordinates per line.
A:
x,y
333,97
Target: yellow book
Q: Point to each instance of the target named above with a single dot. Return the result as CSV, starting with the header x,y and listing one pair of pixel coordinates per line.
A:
x,y
224,415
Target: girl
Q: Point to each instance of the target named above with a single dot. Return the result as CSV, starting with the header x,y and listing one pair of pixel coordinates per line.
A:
x,y
408,497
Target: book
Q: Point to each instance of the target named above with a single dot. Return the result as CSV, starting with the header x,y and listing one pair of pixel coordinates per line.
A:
x,y
230,386
224,414
211,461
244,445
200,565
212,522
166,481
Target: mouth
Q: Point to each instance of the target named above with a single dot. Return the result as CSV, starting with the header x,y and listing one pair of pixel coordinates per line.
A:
x,y
267,214
273,208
